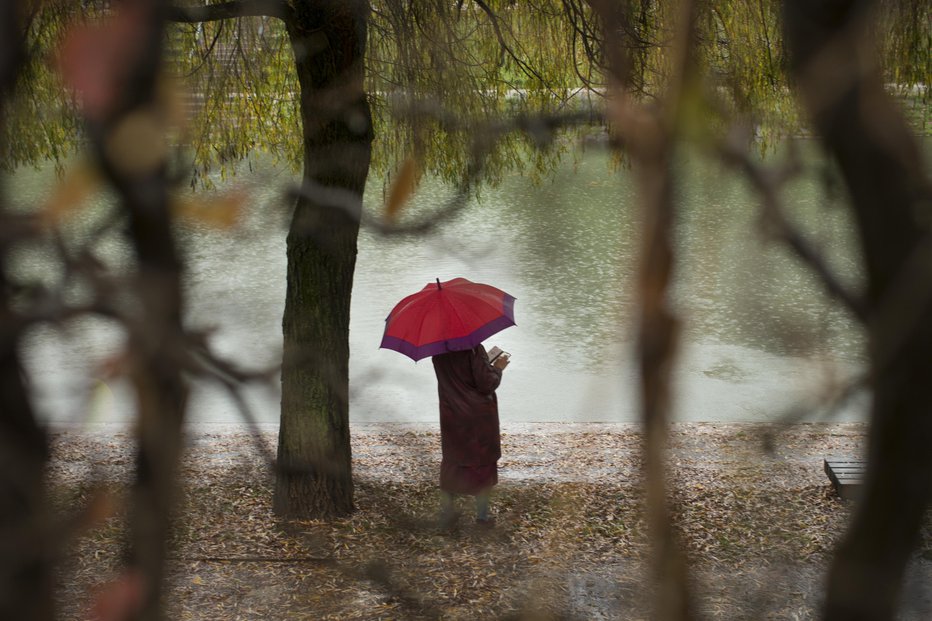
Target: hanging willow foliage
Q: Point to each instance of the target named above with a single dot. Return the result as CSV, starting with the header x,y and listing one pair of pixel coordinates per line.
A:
x,y
475,61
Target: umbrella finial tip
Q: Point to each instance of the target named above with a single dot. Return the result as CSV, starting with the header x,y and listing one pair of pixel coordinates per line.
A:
x,y
438,283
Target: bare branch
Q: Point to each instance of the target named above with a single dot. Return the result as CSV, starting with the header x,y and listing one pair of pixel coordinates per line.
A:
x,y
887,183
539,128
26,586
228,10
767,183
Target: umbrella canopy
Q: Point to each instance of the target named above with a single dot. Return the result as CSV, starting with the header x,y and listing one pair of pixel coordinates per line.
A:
x,y
447,316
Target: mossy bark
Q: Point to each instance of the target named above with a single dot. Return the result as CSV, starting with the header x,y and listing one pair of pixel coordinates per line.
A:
x,y
314,477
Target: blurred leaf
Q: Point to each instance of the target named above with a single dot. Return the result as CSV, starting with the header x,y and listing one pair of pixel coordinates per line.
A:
x,y
119,599
94,58
101,402
173,102
79,182
221,211
114,365
101,507
402,189
698,120
137,144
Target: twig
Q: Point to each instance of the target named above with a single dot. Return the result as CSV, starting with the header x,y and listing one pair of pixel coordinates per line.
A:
x,y
768,183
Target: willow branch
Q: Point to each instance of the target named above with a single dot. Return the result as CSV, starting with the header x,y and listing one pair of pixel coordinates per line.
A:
x,y
506,49
540,128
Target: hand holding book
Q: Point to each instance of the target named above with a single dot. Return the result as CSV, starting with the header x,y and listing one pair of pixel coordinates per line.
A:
x,y
499,358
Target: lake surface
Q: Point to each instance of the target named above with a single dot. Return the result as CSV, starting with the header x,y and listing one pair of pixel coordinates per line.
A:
x,y
759,336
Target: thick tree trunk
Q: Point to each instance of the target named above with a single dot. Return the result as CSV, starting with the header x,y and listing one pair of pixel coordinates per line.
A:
x,y
890,195
314,477
25,555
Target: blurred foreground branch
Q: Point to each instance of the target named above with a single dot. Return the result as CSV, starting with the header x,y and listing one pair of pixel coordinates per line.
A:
x,y
119,119
890,193
652,136
26,567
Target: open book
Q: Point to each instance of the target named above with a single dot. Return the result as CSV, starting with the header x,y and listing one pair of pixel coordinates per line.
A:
x,y
498,357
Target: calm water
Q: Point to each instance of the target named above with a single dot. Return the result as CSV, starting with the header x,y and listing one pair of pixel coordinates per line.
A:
x,y
759,336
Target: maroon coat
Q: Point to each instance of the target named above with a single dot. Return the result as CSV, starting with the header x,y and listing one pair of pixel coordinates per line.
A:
x,y
469,431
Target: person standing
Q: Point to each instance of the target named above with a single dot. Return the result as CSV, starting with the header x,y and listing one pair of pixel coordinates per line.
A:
x,y
470,437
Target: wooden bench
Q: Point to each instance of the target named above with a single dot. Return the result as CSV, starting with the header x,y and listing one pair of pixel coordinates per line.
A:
x,y
846,475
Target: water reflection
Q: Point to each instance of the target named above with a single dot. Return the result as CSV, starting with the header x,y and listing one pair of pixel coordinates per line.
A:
x,y
759,333
736,286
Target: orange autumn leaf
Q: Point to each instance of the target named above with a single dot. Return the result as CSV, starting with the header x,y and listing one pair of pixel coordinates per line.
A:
x,y
402,189
119,600
69,195
172,100
222,211
95,58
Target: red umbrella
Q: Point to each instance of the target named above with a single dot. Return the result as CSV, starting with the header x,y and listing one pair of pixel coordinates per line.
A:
x,y
447,316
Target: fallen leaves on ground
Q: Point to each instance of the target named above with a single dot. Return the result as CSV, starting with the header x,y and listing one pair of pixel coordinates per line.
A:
x,y
570,540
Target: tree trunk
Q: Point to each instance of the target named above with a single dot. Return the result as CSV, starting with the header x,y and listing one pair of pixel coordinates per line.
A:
x,y
314,477
890,196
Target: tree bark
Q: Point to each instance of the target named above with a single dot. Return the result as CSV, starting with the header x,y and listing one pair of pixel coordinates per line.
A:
x,y
314,475
328,37
890,195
